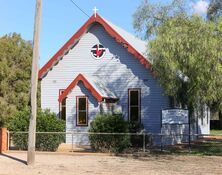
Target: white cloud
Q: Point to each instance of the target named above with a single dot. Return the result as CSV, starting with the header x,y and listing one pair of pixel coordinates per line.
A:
x,y
200,7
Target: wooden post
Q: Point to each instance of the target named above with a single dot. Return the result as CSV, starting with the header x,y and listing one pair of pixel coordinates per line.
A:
x,y
34,84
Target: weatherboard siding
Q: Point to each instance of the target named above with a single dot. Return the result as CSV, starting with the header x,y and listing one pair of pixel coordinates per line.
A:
x,y
118,69
71,122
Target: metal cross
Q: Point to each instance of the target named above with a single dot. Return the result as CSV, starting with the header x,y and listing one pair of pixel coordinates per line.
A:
x,y
95,11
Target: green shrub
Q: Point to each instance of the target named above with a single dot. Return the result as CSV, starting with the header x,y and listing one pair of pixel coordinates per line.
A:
x,y
107,123
136,140
46,122
135,127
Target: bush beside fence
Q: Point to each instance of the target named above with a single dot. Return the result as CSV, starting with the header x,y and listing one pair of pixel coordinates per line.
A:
x,y
46,122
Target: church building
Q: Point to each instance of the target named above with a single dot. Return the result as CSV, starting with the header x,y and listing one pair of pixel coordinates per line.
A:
x,y
102,68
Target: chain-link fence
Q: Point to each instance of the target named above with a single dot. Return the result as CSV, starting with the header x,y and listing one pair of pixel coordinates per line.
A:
x,y
126,142
185,143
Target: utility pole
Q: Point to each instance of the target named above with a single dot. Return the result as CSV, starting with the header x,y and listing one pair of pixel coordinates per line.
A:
x,y
34,84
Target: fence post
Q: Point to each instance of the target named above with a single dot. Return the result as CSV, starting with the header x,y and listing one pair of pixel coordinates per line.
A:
x,y
161,142
189,143
144,142
72,141
3,139
150,140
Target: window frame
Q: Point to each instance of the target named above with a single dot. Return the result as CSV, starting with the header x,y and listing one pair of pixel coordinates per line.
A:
x,y
77,110
61,106
139,104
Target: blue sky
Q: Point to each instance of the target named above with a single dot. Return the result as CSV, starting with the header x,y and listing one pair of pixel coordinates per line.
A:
x,y
61,19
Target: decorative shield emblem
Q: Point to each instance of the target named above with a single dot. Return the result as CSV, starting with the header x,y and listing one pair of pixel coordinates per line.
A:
x,y
98,51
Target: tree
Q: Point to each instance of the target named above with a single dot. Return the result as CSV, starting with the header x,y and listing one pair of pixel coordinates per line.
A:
x,y
148,17
187,56
214,13
151,17
214,10
15,72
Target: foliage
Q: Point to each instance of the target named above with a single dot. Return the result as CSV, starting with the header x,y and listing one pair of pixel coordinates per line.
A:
x,y
46,122
148,17
216,132
107,123
15,73
136,140
214,11
135,127
187,56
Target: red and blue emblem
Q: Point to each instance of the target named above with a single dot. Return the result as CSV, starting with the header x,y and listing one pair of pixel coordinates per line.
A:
x,y
98,51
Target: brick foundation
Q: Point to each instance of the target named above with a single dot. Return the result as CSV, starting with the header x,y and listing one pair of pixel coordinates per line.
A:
x,y
3,139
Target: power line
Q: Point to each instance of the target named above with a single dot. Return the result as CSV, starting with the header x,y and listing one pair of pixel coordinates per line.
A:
x,y
80,8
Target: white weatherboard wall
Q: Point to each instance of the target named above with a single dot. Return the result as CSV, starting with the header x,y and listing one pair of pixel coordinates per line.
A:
x,y
118,69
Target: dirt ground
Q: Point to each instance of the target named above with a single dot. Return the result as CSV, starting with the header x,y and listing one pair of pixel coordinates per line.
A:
x,y
103,164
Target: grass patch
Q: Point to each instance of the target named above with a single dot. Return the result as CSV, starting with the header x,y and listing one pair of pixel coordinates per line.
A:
x,y
198,147
208,147
216,132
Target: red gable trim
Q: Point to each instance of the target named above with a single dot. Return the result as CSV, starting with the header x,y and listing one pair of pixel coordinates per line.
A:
x,y
81,31
86,83
65,47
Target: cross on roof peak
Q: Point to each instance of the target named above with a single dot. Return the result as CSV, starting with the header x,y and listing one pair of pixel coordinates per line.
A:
x,y
95,11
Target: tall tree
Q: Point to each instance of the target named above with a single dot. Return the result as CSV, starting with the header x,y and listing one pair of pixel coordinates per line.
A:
x,y
214,10
214,13
148,16
15,73
187,56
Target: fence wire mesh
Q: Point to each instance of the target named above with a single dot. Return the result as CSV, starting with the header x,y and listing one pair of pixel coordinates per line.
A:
x,y
133,142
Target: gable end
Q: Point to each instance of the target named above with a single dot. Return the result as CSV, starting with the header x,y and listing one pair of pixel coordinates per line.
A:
x,y
75,38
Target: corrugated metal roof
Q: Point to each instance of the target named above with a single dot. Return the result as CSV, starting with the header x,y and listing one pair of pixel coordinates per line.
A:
x,y
93,84
100,87
137,43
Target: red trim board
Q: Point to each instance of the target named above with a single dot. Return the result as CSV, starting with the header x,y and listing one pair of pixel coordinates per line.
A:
x,y
86,83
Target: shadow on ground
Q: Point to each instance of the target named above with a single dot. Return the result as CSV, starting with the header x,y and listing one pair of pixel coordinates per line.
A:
x,y
14,158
